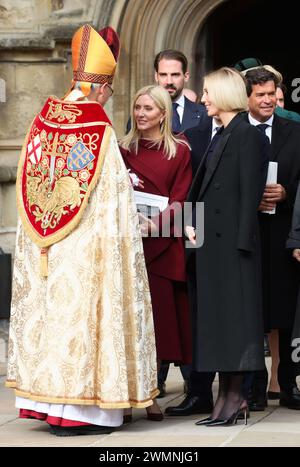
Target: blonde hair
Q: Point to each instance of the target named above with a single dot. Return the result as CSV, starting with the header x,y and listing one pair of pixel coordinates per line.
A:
x,y
227,90
162,100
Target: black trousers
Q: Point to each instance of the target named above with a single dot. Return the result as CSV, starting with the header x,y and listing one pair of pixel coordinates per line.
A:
x,y
201,384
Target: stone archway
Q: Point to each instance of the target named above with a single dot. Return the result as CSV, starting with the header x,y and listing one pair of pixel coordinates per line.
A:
x,y
145,28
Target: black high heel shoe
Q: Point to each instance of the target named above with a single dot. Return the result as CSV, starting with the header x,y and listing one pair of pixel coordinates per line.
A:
x,y
208,420
232,420
204,421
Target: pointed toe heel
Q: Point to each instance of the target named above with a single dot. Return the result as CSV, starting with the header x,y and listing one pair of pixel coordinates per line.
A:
x,y
232,420
204,421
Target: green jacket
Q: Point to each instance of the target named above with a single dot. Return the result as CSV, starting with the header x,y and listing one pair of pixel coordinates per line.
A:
x,y
289,114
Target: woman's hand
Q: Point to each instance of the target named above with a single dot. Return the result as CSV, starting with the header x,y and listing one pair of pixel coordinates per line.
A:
x,y
191,234
135,180
147,226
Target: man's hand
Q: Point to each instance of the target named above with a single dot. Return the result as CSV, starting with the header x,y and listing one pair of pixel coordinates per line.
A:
x,y
191,234
274,193
296,254
264,206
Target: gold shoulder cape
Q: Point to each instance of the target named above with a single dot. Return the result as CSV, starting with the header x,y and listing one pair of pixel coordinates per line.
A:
x,y
60,165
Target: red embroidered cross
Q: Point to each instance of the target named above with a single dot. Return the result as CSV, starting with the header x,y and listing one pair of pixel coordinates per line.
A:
x,y
33,151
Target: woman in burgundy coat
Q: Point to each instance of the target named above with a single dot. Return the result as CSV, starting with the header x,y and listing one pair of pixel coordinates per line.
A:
x,y
160,164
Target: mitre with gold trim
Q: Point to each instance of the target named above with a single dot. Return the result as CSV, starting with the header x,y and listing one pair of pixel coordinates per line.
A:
x,y
94,56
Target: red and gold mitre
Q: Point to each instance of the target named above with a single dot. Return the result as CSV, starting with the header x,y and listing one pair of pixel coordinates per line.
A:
x,y
94,56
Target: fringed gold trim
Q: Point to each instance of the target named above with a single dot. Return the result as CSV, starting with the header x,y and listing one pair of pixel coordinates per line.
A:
x,y
56,237
77,401
44,262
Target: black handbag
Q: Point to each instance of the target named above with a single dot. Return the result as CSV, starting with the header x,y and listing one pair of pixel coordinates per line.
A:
x,y
5,284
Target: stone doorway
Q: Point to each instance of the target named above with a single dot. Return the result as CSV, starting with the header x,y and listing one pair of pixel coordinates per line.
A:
x,y
251,28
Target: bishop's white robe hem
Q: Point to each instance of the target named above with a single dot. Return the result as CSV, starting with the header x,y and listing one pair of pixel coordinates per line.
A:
x,y
79,413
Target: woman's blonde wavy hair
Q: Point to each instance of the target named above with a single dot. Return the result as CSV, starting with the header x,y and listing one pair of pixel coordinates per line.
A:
x,y
162,100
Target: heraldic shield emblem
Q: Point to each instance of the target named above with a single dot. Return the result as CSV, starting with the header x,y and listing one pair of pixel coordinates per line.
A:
x,y
60,165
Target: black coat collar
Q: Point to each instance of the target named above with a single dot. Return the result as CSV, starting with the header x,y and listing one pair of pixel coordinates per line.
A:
x,y
216,159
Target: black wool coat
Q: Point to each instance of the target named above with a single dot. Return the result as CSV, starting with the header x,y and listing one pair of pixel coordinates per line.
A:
x,y
280,270
227,320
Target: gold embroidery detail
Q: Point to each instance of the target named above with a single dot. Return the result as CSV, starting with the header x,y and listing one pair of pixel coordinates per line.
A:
x,y
61,112
50,203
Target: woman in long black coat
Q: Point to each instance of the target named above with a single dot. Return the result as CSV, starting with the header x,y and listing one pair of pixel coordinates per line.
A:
x,y
228,324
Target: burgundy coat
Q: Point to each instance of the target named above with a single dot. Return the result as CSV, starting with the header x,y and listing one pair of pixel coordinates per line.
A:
x,y
166,177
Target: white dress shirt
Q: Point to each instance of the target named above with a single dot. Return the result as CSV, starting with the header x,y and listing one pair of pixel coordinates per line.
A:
x,y
180,108
215,127
269,122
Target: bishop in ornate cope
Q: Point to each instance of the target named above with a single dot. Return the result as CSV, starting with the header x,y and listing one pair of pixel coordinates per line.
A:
x,y
82,344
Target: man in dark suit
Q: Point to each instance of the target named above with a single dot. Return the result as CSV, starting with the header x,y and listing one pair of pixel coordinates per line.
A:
x,y
280,271
293,245
171,72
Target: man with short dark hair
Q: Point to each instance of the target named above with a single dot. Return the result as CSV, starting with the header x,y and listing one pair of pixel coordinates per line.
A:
x,y
171,72
280,271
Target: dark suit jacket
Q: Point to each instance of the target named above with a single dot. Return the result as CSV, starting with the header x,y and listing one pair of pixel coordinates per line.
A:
x,y
280,270
199,138
293,240
193,115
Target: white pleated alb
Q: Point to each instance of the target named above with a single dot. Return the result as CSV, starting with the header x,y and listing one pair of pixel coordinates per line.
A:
x,y
80,413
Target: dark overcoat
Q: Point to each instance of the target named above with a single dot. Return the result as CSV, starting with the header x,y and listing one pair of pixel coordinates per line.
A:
x,y
293,241
280,270
227,322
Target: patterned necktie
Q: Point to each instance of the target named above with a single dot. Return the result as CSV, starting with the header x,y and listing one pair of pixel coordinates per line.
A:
x,y
175,119
262,127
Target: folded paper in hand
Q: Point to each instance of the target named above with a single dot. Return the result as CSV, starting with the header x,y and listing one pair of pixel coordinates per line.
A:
x,y
150,205
272,178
